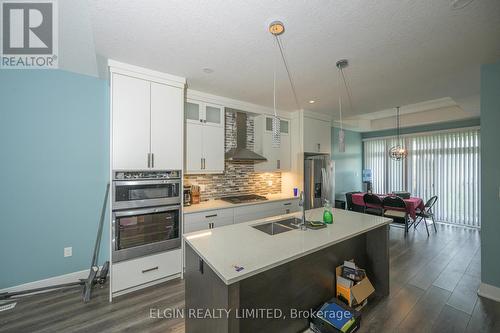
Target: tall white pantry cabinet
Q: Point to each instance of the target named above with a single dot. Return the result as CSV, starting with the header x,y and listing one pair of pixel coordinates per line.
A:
x,y
147,133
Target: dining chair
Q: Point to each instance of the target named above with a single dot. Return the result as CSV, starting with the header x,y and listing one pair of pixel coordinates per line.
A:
x,y
395,208
426,213
375,204
349,204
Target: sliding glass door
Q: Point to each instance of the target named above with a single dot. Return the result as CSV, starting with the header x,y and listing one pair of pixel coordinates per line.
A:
x,y
445,164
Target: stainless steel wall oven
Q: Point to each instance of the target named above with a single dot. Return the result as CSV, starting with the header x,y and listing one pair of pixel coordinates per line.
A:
x,y
146,213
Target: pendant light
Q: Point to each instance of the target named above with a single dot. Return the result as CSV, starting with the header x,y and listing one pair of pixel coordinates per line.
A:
x,y
277,28
276,122
341,64
398,152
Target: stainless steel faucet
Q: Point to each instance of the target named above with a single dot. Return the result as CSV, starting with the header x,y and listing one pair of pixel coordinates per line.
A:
x,y
302,204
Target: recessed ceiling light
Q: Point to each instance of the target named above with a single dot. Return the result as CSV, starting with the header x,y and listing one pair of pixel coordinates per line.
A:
x,y
312,101
208,70
459,4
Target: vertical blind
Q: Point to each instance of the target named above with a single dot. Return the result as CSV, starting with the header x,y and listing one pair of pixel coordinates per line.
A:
x,y
444,164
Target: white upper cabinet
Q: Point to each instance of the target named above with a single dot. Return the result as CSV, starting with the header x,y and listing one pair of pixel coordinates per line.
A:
x,y
166,127
213,149
147,119
204,138
214,115
317,136
131,122
194,147
278,158
208,114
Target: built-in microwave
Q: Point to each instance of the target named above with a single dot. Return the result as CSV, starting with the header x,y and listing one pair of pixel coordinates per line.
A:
x,y
134,189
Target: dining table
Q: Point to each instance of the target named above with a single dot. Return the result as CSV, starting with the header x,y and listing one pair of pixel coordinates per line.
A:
x,y
413,204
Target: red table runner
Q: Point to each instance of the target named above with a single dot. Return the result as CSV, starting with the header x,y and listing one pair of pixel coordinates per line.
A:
x,y
412,204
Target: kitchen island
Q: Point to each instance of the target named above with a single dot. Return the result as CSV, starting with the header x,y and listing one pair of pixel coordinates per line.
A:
x,y
241,279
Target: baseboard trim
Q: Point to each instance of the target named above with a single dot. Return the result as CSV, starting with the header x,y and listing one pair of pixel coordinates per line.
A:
x,y
489,291
60,279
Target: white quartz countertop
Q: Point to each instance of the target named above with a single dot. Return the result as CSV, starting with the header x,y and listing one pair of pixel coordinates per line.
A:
x,y
221,204
244,246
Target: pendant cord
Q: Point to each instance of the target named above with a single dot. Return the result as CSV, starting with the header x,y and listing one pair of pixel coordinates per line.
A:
x,y
292,85
348,92
399,131
340,98
347,88
274,87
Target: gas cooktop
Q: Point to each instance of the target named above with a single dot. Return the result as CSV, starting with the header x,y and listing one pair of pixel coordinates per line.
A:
x,y
237,199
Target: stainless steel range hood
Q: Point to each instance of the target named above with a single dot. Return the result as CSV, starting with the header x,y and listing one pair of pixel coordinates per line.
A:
x,y
241,153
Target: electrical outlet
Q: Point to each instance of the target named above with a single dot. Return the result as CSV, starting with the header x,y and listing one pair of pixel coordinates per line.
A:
x,y
68,251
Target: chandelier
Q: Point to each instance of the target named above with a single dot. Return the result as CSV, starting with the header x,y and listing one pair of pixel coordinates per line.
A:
x,y
398,152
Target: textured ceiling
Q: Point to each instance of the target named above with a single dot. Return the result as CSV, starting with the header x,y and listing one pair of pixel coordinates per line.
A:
x,y
401,51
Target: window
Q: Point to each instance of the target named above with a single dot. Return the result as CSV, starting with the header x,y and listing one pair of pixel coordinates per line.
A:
x,y
444,164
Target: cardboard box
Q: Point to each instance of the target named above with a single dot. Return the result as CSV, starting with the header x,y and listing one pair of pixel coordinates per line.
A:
x,y
354,294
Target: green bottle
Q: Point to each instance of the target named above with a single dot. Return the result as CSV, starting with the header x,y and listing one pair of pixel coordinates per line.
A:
x,y
327,213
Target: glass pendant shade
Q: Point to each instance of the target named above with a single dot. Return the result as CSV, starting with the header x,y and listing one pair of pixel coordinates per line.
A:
x,y
276,134
341,141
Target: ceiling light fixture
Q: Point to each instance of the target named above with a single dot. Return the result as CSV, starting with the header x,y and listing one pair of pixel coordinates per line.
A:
x,y
312,101
341,65
398,152
459,4
277,28
208,70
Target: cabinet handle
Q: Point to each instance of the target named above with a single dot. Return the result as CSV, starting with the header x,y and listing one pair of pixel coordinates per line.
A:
x,y
200,266
209,216
201,163
150,269
152,160
287,204
204,163
319,146
149,160
287,211
278,164
201,120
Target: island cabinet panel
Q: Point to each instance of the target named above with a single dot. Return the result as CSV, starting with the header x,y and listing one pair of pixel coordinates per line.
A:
x,y
204,290
301,284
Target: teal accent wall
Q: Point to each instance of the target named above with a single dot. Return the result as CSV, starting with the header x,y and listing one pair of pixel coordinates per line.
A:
x,y
54,145
490,174
348,165
424,128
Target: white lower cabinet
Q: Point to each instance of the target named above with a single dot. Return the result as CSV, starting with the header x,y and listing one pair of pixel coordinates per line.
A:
x,y
265,210
220,217
145,270
208,219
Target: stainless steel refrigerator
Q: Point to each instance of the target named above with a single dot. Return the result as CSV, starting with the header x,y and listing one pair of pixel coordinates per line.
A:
x,y
318,180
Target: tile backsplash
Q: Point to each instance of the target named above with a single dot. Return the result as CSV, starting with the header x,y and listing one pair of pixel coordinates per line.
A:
x,y
238,178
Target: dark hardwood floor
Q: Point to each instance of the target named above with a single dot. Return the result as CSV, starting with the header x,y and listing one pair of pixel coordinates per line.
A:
x,y
433,289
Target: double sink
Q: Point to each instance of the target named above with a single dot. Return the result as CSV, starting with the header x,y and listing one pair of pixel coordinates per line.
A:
x,y
280,226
